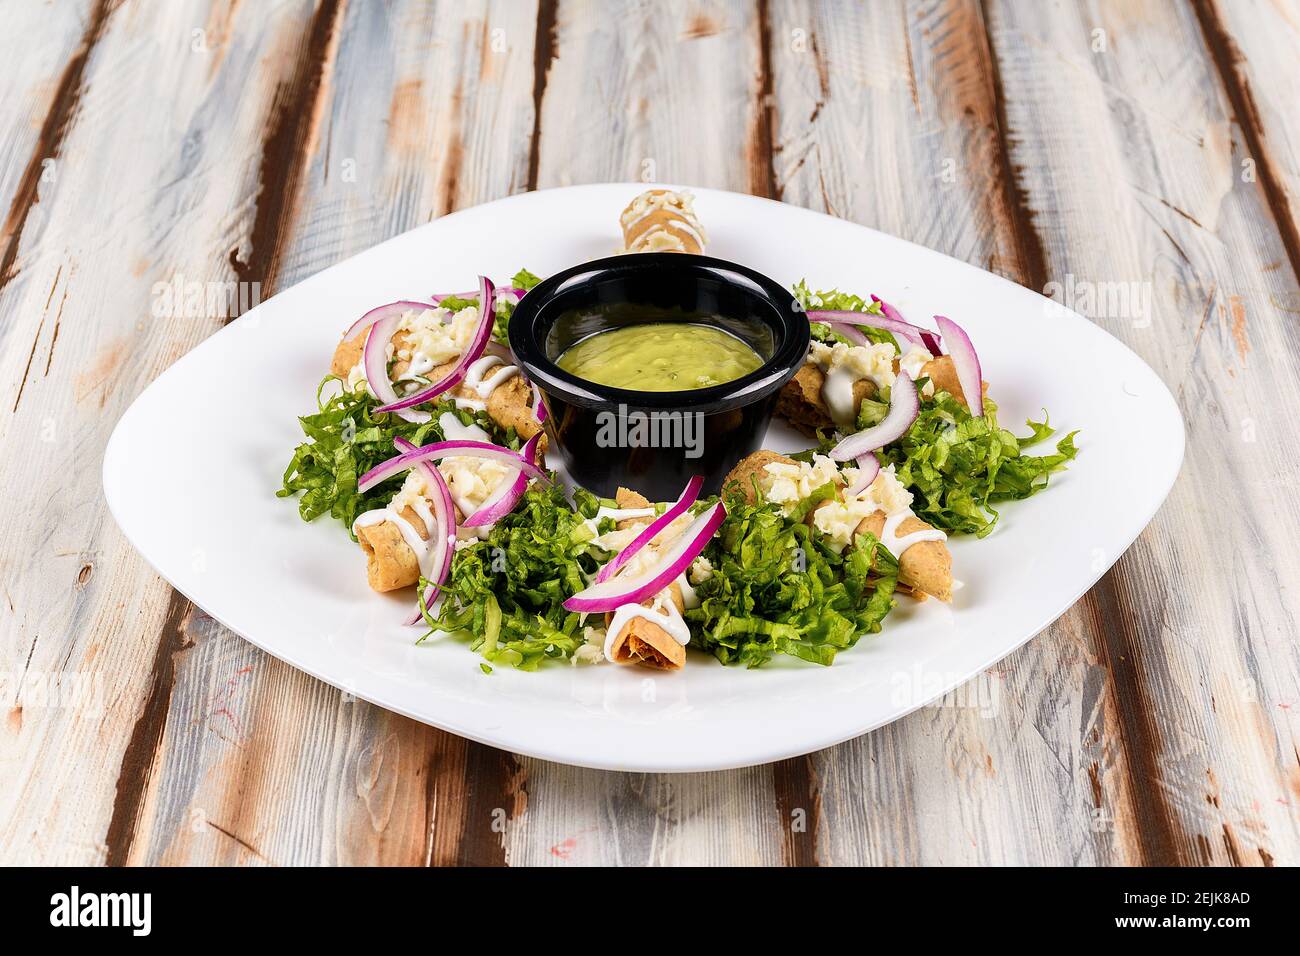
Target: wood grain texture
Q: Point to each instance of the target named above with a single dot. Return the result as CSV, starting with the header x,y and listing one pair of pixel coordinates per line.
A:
x,y
1135,160
247,735
937,167
1131,155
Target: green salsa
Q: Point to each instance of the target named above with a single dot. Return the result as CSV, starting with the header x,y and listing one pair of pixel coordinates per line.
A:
x,y
661,357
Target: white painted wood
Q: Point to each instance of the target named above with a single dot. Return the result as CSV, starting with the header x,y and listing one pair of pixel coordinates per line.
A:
x,y
423,111
1155,722
1131,164
146,189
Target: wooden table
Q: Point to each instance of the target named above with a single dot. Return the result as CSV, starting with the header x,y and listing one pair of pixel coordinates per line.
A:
x,y
1138,160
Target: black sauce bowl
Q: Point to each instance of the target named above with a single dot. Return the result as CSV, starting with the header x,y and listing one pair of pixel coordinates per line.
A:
x,y
653,442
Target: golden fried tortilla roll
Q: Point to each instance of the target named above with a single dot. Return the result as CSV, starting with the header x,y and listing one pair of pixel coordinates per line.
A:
x,y
926,565
801,404
747,469
347,356
944,376
627,499
660,220
390,562
646,643
510,404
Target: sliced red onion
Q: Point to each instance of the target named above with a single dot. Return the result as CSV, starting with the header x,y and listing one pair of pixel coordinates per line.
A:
x,y
900,330
483,332
539,407
503,499
374,361
868,468
613,593
505,290
904,406
928,338
401,307
461,447
849,331
688,497
444,531
966,363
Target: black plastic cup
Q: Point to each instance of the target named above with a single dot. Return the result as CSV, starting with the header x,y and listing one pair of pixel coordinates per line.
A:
x,y
653,442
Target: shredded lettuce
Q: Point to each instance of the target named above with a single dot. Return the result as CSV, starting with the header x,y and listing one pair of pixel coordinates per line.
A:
x,y
835,300
523,279
956,465
776,589
346,437
509,590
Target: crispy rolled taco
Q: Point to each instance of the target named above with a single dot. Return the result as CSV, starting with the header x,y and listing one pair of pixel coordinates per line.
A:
x,y
649,634
660,220
428,344
654,633
831,386
883,509
395,539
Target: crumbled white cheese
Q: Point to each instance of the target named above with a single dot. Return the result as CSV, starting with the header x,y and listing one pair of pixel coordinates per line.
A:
x,y
436,335
412,489
700,571
357,377
649,555
874,361
838,520
471,481
787,484
913,363
592,650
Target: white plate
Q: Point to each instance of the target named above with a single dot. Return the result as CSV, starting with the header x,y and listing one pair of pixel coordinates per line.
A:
x,y
191,472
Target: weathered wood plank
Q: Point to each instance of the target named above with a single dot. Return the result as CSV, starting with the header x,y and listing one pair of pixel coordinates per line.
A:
x,y
1254,47
419,110
891,116
634,82
83,608
1131,158
40,92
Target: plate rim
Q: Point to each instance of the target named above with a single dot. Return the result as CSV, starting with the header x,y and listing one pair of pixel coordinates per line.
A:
x,y
112,471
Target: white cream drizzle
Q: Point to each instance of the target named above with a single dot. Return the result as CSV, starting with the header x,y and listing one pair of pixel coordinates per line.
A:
x,y
453,430
483,387
662,612
837,393
896,545
689,598
418,545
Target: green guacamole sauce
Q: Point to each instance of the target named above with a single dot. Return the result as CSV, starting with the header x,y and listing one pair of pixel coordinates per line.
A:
x,y
661,357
